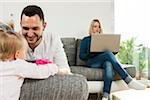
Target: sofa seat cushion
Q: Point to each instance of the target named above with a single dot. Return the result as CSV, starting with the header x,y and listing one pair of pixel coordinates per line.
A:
x,y
58,87
96,74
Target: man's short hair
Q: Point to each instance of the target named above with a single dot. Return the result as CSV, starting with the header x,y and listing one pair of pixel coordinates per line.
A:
x,y
32,10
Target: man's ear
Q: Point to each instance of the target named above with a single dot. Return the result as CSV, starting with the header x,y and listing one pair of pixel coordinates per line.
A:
x,y
44,25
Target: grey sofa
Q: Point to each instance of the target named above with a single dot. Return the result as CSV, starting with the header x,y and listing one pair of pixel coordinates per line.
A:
x,y
69,87
72,47
94,76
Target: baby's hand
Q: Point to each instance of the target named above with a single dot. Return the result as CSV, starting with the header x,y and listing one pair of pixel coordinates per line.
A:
x,y
42,61
64,71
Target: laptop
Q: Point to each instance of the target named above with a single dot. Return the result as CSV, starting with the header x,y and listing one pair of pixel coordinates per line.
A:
x,y
105,42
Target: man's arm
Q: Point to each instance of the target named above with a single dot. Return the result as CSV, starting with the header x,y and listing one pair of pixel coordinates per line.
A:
x,y
60,57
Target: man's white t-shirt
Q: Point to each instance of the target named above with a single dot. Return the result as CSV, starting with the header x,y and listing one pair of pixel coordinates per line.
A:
x,y
12,74
50,48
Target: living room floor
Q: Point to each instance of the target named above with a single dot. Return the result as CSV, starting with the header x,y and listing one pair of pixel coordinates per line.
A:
x,y
94,96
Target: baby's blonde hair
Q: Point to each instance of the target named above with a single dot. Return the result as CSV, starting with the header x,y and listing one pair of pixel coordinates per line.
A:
x,y
10,42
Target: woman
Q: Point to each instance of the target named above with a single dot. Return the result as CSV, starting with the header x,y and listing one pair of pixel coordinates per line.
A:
x,y
105,60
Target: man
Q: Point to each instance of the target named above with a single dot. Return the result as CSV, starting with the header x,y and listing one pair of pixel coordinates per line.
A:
x,y
48,46
42,45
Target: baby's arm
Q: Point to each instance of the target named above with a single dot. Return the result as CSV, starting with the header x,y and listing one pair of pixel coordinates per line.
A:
x,y
61,71
32,70
64,71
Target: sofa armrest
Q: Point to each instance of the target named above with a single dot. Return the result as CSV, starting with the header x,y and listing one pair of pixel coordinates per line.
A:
x,y
131,69
68,87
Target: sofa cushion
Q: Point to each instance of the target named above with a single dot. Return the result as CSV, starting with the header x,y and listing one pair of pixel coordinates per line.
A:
x,y
70,49
79,62
96,74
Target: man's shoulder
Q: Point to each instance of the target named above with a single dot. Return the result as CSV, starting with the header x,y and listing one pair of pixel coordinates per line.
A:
x,y
51,39
47,34
50,35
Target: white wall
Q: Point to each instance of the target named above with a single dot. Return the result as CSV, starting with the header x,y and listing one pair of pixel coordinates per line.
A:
x,y
67,18
132,19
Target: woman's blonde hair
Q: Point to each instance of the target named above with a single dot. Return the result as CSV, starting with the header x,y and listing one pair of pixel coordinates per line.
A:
x,y
92,24
10,42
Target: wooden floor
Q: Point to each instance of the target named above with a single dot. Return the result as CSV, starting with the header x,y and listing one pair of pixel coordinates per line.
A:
x,y
94,96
